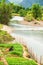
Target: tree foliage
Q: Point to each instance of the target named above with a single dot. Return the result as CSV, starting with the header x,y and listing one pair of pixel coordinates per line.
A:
x,y
5,12
36,11
22,12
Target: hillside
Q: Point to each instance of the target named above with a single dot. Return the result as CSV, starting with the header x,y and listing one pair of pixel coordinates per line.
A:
x,y
7,1
28,3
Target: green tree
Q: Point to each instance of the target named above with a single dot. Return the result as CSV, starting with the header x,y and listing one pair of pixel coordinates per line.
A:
x,y
22,12
5,12
17,8
29,16
36,11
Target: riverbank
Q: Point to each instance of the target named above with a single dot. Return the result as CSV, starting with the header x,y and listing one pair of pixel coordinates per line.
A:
x,y
17,39
22,21
32,23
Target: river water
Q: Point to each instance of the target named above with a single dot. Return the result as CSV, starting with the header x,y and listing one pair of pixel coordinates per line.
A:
x,y
32,36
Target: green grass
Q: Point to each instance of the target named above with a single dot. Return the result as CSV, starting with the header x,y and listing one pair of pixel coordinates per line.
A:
x,y
1,26
1,63
17,48
5,37
20,61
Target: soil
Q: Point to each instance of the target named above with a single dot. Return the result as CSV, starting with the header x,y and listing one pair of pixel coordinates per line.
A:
x,y
33,23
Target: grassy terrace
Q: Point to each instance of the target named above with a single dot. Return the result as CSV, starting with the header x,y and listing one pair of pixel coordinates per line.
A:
x,y
20,61
5,37
1,26
1,63
13,49
12,53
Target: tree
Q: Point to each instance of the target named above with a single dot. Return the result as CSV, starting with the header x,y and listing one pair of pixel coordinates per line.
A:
x,y
36,11
5,12
22,12
29,16
17,8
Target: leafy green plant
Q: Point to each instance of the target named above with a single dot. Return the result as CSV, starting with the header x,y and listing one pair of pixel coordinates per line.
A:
x,y
5,12
36,11
22,12
29,17
1,26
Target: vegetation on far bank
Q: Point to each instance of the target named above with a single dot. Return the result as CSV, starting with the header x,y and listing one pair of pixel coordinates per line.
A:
x,y
7,10
13,53
1,26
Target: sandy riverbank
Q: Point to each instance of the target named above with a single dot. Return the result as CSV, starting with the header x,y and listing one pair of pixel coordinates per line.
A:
x,y
9,30
32,23
29,23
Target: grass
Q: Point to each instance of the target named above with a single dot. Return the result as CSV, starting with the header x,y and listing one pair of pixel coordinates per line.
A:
x,y
1,63
13,49
16,48
20,61
1,26
5,37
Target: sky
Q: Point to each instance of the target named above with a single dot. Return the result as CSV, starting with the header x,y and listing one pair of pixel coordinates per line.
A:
x,y
16,1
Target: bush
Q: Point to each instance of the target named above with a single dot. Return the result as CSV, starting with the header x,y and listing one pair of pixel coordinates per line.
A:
x,y
1,63
22,12
5,12
1,26
5,37
36,11
38,18
29,17
42,18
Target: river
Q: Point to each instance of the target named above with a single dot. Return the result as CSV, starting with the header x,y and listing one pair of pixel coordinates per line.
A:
x,y
32,36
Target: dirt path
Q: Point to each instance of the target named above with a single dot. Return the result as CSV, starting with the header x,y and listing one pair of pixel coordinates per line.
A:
x,y
25,53
3,58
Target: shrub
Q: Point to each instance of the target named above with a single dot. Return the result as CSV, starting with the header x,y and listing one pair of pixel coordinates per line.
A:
x,y
1,26
5,37
5,12
22,12
1,63
36,11
38,18
42,18
29,17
